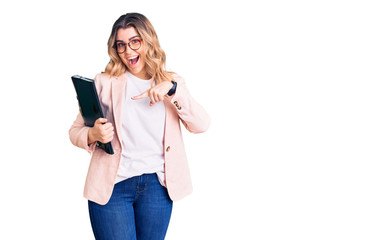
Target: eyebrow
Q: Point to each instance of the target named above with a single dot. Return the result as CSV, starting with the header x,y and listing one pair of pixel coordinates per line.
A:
x,y
128,39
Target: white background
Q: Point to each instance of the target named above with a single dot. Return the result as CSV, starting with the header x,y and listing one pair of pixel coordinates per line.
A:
x,y
289,85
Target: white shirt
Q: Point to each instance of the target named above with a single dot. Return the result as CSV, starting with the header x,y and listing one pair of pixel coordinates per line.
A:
x,y
142,133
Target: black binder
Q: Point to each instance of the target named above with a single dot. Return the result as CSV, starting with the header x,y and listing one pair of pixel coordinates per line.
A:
x,y
90,107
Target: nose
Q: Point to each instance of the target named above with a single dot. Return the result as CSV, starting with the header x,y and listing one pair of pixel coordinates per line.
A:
x,y
128,50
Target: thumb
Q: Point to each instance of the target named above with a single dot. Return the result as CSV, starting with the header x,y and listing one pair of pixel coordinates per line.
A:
x,y
142,95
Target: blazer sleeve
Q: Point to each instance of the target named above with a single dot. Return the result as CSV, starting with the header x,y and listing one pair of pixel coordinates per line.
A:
x,y
78,134
192,114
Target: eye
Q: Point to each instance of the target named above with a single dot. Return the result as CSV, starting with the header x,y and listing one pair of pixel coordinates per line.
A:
x,y
120,44
135,41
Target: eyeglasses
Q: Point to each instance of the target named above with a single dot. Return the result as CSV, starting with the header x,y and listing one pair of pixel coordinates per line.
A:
x,y
121,46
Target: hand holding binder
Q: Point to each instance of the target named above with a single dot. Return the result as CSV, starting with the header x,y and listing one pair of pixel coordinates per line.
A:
x,y
102,131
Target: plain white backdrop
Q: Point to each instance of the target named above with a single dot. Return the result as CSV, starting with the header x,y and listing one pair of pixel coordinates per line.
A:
x,y
289,85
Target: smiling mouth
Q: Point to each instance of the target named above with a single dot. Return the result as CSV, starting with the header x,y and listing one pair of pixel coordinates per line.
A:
x,y
133,60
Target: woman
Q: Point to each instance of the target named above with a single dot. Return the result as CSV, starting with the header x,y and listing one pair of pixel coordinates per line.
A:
x,y
130,193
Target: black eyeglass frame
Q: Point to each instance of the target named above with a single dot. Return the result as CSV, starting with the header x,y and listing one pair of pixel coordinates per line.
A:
x,y
127,44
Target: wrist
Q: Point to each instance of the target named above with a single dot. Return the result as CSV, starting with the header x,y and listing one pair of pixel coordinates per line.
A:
x,y
90,137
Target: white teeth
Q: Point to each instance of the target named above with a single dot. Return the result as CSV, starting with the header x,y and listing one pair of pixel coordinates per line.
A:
x,y
132,58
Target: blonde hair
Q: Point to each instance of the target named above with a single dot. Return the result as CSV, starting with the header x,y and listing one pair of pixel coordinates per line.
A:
x,y
155,57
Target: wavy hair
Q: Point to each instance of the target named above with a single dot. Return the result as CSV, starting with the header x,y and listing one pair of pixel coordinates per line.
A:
x,y
155,57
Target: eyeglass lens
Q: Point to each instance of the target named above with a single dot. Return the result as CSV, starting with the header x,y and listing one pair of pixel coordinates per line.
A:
x,y
134,44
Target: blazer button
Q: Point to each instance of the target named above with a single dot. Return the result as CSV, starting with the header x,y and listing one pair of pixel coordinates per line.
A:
x,y
168,149
177,105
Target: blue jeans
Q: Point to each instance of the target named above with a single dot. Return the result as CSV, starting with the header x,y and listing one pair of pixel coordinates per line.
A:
x,y
139,209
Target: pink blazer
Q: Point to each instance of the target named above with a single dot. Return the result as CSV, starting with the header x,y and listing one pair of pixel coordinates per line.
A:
x,y
103,167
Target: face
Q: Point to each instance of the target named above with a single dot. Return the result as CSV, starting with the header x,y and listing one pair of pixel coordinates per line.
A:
x,y
133,59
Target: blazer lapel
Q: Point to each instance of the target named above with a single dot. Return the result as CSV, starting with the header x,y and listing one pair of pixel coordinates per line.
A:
x,y
118,89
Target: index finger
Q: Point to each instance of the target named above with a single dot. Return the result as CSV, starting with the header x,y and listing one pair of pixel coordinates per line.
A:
x,y
100,120
143,95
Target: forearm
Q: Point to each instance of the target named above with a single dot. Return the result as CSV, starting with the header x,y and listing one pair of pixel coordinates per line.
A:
x,y
78,134
192,114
